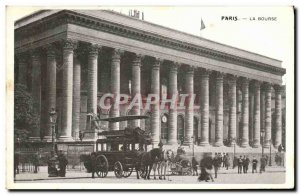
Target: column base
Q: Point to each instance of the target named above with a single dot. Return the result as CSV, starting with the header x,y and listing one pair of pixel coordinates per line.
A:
x,y
47,138
155,144
232,144
172,142
266,145
187,143
204,144
218,144
245,145
256,144
34,139
65,139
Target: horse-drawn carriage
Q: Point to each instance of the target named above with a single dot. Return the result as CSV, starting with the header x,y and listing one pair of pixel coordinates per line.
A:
x,y
181,164
119,151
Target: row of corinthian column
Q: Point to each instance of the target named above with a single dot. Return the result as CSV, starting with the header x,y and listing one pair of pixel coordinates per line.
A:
x,y
70,105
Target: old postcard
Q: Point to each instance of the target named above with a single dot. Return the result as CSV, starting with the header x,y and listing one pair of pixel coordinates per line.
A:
x,y
150,98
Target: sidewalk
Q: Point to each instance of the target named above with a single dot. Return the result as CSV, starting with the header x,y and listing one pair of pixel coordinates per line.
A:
x,y
71,174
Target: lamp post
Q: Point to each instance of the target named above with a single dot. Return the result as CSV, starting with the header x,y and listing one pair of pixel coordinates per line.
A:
x,y
233,147
53,117
270,161
262,135
193,145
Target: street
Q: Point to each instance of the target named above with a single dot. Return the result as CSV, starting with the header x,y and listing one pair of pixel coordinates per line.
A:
x,y
274,176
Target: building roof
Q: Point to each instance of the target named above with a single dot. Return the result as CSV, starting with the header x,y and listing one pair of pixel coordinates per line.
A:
x,y
149,27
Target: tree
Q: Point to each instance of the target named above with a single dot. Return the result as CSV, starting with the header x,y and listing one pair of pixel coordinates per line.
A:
x,y
25,117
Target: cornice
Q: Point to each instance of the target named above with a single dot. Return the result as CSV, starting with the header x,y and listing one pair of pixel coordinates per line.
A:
x,y
70,17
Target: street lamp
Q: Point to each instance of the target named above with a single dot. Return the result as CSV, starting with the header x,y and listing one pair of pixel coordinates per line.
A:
x,y
193,145
53,117
262,135
270,161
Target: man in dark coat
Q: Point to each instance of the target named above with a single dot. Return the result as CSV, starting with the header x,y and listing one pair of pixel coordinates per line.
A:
x,y
254,165
217,161
240,165
62,164
263,163
227,161
246,163
195,166
93,164
206,165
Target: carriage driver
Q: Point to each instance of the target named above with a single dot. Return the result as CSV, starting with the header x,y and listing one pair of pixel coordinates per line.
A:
x,y
160,145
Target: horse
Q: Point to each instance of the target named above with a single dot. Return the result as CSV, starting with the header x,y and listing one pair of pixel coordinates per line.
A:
x,y
163,163
146,162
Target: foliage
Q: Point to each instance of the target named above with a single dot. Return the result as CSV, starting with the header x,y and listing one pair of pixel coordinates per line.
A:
x,y
25,117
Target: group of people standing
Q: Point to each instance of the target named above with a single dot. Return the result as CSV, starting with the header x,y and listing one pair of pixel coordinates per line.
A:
x,y
243,164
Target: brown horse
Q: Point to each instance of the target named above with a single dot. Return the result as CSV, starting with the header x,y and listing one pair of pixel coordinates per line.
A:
x,y
161,165
146,161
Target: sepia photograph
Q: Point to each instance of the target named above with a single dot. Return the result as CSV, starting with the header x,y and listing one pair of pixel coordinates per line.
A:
x,y
150,97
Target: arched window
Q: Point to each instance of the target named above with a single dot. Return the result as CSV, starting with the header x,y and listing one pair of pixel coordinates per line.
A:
x,y
180,128
164,127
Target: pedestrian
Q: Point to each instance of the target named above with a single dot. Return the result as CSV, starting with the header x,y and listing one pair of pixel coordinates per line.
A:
x,y
36,162
247,162
62,164
16,164
217,160
262,164
52,165
227,161
235,162
267,159
206,166
254,164
93,164
223,159
195,166
240,165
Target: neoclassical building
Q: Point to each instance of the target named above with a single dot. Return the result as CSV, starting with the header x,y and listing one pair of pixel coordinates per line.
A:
x,y
69,59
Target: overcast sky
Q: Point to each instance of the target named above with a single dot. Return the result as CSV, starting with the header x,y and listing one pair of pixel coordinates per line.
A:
x,y
270,38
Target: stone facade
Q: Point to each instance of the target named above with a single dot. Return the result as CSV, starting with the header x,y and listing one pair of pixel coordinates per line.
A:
x,y
87,56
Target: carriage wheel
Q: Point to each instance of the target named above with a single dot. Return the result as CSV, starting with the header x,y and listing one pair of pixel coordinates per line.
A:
x,y
118,169
185,163
102,166
189,172
173,168
127,172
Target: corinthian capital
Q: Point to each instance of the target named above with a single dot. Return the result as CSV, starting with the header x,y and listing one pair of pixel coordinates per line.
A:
x,y
116,54
278,88
68,44
93,49
174,66
137,59
35,53
157,62
205,72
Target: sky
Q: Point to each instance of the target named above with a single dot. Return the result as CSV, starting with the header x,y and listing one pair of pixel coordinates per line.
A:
x,y
273,39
